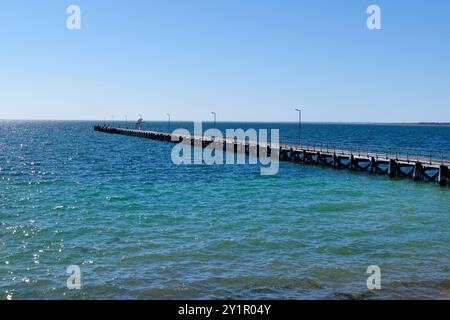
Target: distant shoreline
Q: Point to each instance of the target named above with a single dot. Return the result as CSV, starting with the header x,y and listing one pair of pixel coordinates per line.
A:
x,y
425,123
243,121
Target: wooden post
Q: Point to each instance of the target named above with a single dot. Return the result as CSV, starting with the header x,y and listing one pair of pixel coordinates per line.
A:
x,y
352,165
319,158
444,175
304,156
392,169
373,165
418,172
335,160
295,156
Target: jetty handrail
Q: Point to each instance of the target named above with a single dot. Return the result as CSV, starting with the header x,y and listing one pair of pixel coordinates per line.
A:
x,y
410,153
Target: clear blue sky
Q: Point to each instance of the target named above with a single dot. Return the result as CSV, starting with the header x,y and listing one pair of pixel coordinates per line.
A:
x,y
245,59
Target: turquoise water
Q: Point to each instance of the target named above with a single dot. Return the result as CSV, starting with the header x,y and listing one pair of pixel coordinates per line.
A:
x,y
140,227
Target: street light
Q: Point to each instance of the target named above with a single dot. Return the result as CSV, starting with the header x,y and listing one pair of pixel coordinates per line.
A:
x,y
112,117
299,123
168,115
126,122
214,118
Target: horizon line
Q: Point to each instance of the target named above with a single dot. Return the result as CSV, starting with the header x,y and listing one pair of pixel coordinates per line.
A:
x,y
243,121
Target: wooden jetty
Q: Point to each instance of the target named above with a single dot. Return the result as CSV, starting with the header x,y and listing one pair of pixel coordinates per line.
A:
x,y
394,166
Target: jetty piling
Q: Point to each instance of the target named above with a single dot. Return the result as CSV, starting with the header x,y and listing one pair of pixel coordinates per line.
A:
x,y
444,175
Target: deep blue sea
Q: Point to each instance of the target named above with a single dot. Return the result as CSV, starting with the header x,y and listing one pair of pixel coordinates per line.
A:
x,y
140,227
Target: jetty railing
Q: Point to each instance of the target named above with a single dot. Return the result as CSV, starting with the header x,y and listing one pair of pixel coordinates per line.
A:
x,y
411,154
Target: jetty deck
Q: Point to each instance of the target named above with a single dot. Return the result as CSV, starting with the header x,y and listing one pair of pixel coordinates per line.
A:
x,y
392,165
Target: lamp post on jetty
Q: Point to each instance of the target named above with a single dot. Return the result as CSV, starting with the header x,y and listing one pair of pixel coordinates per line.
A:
x,y
299,123
168,124
213,113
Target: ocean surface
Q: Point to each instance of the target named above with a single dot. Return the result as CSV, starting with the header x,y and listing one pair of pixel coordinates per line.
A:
x,y
140,227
